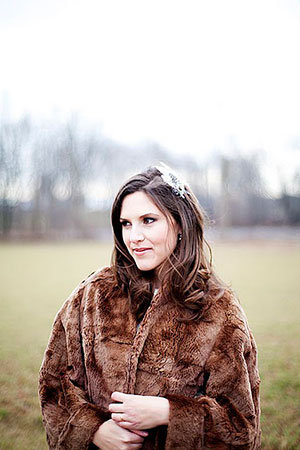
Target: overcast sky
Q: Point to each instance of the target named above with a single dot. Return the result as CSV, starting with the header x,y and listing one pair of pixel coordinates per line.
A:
x,y
196,76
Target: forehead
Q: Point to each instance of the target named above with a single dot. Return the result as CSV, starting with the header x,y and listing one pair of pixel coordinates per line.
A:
x,y
137,204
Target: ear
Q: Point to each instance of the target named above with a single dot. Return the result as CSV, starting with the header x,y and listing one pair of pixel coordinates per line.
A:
x,y
178,229
179,232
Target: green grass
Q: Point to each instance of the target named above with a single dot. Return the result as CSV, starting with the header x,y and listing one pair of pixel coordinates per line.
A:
x,y
266,278
36,279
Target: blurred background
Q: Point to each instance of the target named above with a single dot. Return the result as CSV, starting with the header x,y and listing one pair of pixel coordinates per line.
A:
x,y
93,91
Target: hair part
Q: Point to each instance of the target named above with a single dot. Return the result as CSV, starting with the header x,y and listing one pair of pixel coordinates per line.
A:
x,y
186,276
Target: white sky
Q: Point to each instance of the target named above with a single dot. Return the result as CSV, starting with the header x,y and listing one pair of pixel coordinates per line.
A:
x,y
196,76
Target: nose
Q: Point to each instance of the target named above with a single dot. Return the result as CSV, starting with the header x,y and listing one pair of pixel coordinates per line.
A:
x,y
136,234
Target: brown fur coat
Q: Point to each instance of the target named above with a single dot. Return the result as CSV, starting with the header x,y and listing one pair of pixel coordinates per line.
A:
x,y
208,371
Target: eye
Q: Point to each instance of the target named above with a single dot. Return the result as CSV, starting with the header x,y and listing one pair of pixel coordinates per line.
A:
x,y
148,220
124,223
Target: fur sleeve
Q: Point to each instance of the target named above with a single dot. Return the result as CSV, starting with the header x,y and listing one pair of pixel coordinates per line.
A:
x,y
70,420
227,415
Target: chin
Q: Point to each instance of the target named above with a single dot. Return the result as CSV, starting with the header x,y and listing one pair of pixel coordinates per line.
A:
x,y
145,268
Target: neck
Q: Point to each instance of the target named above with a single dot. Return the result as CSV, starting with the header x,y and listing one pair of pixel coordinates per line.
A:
x,y
156,285
156,282
159,273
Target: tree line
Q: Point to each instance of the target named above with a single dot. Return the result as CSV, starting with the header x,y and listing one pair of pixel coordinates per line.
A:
x,y
58,180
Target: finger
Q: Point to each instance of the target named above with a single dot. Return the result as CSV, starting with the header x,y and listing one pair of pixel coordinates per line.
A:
x,y
127,425
140,433
118,417
118,396
134,439
116,407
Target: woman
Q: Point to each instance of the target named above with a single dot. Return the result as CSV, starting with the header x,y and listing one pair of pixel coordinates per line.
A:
x,y
153,352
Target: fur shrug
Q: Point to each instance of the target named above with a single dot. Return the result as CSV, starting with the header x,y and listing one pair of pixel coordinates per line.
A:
x,y
208,371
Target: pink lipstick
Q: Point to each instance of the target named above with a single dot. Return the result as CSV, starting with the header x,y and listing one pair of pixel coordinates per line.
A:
x,y
141,251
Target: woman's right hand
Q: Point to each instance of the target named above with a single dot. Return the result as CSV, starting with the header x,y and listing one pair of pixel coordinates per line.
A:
x,y
110,436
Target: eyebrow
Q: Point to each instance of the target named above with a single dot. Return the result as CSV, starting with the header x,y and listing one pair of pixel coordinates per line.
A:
x,y
144,215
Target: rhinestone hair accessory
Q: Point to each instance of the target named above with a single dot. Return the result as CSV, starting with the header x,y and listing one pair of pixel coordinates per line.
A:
x,y
172,180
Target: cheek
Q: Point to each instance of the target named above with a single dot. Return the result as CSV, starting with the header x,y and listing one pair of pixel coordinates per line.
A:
x,y
125,237
172,241
168,239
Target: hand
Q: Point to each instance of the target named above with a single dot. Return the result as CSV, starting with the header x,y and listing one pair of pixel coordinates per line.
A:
x,y
138,411
110,436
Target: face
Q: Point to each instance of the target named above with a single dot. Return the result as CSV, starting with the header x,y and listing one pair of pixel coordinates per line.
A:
x,y
147,234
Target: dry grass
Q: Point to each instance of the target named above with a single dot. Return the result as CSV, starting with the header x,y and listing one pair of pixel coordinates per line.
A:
x,y
35,280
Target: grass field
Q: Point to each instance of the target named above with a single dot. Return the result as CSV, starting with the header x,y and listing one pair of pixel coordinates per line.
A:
x,y
35,280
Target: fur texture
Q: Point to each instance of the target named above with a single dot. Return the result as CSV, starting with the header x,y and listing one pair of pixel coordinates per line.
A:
x,y
208,371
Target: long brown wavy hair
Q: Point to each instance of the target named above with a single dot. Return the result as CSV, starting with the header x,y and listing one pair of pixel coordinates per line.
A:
x,y
187,276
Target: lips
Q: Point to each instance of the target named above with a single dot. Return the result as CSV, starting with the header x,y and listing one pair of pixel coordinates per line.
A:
x,y
140,251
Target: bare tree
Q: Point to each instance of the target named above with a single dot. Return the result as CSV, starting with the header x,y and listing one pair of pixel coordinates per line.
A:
x,y
242,191
13,137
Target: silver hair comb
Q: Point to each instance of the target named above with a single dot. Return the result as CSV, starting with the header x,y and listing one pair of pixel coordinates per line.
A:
x,y
172,180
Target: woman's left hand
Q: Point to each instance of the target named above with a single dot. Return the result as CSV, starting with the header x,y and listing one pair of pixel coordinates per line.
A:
x,y
138,411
